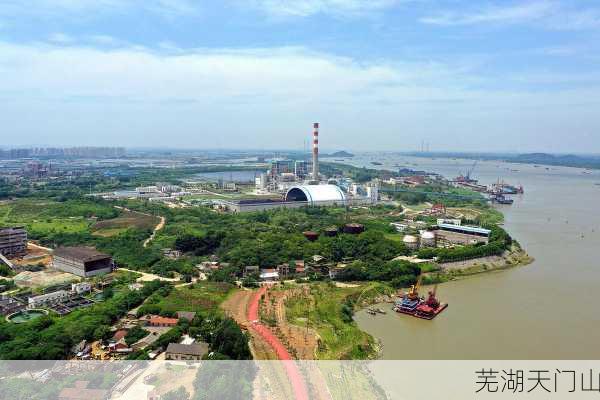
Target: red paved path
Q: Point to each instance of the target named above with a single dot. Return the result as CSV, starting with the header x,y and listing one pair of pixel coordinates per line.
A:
x,y
291,368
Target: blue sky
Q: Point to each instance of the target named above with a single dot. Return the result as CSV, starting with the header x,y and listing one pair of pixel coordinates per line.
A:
x,y
378,74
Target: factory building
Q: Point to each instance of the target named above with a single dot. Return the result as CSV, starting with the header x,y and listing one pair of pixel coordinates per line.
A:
x,y
316,195
82,261
13,242
464,235
48,299
301,169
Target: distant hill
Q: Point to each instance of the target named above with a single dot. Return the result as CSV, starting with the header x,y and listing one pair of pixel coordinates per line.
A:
x,y
565,160
569,160
339,154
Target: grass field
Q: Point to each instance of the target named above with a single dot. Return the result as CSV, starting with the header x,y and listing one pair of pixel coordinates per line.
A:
x,y
44,217
128,219
341,339
201,297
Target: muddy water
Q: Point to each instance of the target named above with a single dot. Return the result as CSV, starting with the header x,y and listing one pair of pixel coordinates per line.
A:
x,y
547,310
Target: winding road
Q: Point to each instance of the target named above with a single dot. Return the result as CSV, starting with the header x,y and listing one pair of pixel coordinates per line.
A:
x,y
292,371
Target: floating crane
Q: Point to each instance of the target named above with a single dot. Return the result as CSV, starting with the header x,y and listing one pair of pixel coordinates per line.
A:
x,y
413,293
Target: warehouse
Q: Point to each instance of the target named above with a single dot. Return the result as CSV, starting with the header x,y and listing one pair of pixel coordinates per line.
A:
x,y
460,234
82,261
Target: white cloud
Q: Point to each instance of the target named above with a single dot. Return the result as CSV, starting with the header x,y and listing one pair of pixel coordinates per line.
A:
x,y
59,37
512,14
254,97
62,8
305,8
547,13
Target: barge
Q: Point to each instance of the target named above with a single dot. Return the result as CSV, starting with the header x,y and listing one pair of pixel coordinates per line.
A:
x,y
412,304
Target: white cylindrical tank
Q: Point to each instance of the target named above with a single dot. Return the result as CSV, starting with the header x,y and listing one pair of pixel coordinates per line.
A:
x,y
428,239
410,241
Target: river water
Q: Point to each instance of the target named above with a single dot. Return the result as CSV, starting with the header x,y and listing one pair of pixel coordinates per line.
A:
x,y
547,310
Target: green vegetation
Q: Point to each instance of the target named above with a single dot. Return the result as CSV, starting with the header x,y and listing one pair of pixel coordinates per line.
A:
x,y
201,297
51,338
217,380
499,242
398,273
136,333
329,310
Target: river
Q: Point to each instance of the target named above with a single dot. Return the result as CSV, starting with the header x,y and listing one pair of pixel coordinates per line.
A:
x,y
546,310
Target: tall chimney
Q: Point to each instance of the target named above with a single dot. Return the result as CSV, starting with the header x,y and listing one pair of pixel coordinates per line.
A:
x,y
316,151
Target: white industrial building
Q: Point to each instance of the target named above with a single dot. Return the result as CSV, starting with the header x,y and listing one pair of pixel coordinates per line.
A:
x,y
57,297
316,195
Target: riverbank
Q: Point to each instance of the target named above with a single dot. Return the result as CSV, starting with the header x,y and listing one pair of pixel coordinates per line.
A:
x,y
512,258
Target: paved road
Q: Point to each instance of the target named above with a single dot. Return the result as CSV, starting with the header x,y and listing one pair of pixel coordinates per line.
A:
x,y
298,384
148,277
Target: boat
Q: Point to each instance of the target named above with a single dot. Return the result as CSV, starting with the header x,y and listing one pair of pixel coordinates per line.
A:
x,y
430,308
501,199
407,306
410,301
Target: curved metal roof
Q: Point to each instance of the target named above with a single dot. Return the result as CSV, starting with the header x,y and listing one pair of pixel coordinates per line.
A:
x,y
316,194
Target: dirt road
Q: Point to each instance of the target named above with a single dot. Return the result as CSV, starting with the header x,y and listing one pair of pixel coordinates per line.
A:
x,y
157,228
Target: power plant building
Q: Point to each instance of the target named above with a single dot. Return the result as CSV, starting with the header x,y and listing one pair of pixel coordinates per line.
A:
x,y
82,261
316,195
13,242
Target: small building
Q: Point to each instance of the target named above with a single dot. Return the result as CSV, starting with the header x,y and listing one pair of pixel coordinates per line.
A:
x,y
120,334
189,315
81,287
13,241
335,271
82,261
48,299
399,226
10,305
251,269
283,270
135,286
181,352
269,275
300,268
80,391
157,321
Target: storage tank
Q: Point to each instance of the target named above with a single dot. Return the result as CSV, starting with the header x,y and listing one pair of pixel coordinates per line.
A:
x,y
428,239
331,231
310,235
354,229
410,241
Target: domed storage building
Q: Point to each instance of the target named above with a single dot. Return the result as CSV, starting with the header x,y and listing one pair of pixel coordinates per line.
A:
x,y
428,239
316,195
410,241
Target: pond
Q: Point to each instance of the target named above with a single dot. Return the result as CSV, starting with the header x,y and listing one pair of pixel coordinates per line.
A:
x,y
26,316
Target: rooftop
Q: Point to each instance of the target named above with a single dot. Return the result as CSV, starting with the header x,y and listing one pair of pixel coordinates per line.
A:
x,y
196,349
163,320
81,253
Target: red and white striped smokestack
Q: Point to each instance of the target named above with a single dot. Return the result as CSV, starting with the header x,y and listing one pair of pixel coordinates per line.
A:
x,y
316,151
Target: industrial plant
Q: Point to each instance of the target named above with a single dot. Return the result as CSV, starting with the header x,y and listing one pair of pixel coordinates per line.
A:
x,y
298,183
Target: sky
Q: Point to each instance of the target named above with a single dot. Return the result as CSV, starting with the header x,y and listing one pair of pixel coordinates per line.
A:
x,y
460,75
